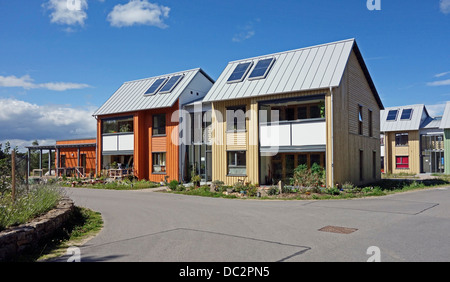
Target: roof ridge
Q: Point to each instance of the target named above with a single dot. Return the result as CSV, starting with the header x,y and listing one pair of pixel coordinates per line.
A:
x,y
162,75
294,50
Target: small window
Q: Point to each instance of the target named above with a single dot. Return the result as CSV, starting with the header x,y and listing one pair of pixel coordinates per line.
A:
x,y
159,162
240,72
261,69
171,84
237,163
402,162
235,118
401,139
360,121
302,112
159,125
406,114
370,123
290,113
155,86
361,165
314,111
392,115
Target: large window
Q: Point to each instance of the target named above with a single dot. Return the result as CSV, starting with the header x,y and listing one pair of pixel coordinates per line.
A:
x,y
236,163
401,139
236,118
402,162
159,124
159,162
117,125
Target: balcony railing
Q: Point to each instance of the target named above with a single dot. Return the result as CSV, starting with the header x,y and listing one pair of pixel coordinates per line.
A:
x,y
299,133
118,142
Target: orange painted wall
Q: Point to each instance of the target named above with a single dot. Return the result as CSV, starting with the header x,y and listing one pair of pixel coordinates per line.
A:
x,y
144,144
71,154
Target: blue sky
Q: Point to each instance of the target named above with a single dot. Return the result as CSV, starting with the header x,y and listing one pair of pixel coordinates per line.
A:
x,y
58,65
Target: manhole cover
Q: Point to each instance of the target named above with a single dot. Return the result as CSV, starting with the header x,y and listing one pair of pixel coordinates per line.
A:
x,y
338,229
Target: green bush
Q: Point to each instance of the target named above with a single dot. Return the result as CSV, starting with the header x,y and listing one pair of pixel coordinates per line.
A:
x,y
304,177
252,190
273,190
173,185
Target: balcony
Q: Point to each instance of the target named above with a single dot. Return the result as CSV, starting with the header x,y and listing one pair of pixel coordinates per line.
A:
x,y
308,135
116,144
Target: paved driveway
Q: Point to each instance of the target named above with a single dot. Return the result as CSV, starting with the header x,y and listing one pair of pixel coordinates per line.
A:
x,y
152,226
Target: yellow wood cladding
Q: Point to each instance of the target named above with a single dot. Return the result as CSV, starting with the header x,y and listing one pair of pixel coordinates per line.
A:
x,y
411,150
344,142
236,140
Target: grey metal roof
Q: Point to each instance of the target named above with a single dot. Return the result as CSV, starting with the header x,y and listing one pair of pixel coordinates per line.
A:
x,y
445,123
430,122
303,69
130,96
419,116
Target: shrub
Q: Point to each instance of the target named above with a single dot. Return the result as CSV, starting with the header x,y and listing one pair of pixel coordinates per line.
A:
x,y
252,190
27,205
273,190
304,177
332,191
173,185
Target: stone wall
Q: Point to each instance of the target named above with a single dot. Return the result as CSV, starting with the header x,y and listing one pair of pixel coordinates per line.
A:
x,y
16,240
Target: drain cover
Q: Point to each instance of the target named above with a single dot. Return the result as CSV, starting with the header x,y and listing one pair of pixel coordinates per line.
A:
x,y
338,229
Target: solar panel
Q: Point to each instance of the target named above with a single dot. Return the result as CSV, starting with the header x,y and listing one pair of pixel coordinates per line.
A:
x,y
392,115
240,72
406,114
171,84
155,86
261,69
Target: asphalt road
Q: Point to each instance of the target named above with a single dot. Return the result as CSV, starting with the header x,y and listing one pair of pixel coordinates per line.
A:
x,y
152,226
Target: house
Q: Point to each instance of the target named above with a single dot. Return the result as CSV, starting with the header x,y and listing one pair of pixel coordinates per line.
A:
x,y
412,140
138,126
74,157
445,126
274,112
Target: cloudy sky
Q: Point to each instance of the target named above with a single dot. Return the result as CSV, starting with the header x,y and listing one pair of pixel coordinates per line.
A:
x,y
62,59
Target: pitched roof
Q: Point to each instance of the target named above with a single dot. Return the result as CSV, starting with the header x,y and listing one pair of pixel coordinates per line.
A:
x,y
317,67
445,123
130,96
419,118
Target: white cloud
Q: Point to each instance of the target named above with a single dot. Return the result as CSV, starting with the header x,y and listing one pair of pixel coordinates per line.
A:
x,y
246,32
444,6
20,120
442,74
439,83
139,12
27,82
67,12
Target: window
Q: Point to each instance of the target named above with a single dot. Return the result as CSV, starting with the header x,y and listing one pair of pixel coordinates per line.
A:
x,y
314,111
392,115
315,159
302,112
374,165
261,69
290,113
117,125
236,118
159,162
406,114
171,84
159,124
370,123
236,163
62,161
401,139
360,121
240,72
155,86
361,165
402,162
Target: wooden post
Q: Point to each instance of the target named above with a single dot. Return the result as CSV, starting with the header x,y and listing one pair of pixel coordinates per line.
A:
x,y
13,175
28,171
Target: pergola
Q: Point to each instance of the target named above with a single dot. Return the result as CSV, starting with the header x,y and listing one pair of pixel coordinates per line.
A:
x,y
54,148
